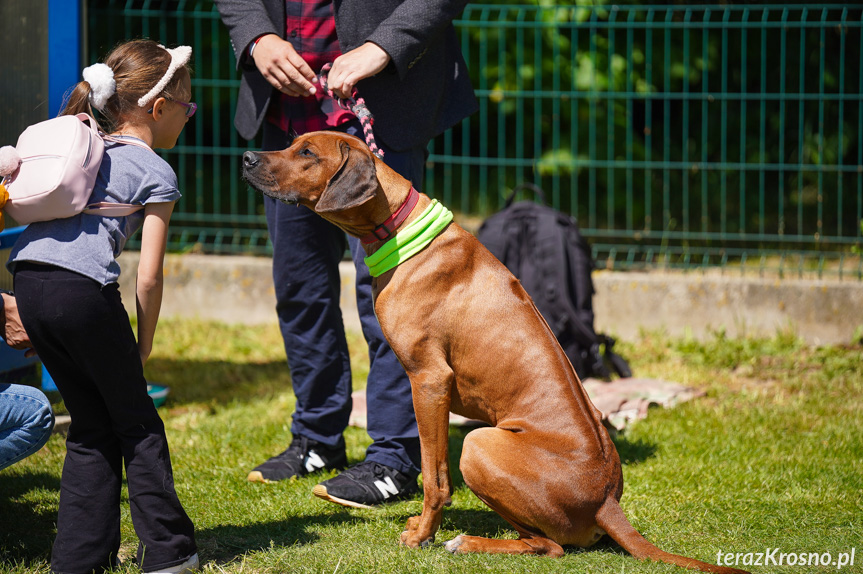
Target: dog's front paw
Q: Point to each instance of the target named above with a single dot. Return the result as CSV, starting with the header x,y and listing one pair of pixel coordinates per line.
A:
x,y
410,539
412,523
453,545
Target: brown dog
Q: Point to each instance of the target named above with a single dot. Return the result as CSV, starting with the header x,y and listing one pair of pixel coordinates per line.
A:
x,y
472,342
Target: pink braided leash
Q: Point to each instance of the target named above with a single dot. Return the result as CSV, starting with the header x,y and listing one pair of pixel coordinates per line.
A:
x,y
358,107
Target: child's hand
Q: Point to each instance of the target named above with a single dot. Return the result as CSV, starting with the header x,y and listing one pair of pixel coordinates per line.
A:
x,y
13,332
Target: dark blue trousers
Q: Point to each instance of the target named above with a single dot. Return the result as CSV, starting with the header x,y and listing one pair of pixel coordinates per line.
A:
x,y
306,255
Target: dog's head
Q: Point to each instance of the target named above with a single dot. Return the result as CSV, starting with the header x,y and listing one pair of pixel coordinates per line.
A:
x,y
329,172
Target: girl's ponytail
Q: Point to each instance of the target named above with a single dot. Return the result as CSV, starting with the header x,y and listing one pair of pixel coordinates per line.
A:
x,y
77,100
94,92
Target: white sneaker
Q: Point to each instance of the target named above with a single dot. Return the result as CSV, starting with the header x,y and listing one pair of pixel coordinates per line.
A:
x,y
190,565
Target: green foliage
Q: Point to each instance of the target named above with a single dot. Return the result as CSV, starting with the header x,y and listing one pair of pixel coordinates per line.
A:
x,y
639,115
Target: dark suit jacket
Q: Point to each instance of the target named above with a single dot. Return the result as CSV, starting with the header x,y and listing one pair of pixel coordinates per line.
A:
x,y
425,89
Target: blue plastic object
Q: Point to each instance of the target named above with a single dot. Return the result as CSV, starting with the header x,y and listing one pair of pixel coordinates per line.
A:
x,y
158,393
11,359
48,383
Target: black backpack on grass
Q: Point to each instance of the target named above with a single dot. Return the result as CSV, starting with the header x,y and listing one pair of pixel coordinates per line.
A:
x,y
545,251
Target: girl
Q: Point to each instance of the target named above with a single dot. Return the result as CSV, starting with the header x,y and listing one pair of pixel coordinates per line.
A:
x,y
66,286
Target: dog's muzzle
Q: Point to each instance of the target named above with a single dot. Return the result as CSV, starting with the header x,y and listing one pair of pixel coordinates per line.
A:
x,y
259,177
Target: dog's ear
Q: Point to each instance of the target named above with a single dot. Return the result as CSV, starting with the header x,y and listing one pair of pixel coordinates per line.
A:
x,y
354,183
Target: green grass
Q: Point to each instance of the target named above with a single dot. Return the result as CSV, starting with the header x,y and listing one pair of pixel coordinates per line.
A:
x,y
771,457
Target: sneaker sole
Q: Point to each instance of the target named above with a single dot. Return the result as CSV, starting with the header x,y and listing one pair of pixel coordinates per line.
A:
x,y
256,476
321,492
193,564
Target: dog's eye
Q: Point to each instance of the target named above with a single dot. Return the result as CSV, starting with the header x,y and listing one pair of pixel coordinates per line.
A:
x,y
307,152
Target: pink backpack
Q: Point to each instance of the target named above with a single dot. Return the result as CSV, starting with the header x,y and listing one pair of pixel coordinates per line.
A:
x,y
51,172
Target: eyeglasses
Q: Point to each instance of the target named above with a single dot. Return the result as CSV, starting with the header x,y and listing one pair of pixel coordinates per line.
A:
x,y
191,107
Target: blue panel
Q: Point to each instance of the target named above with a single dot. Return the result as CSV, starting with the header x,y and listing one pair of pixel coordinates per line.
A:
x,y
64,50
8,237
48,383
11,359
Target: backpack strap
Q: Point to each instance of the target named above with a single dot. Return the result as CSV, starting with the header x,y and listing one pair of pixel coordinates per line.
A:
x,y
555,261
619,363
108,208
132,141
503,233
111,209
528,186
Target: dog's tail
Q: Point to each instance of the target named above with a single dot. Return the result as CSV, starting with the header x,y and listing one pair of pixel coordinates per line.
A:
x,y
612,519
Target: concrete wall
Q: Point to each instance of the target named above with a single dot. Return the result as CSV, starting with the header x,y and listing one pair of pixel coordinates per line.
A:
x,y
237,289
818,311
228,288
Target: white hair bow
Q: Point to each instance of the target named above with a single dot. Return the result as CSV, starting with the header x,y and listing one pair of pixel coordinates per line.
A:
x,y
102,84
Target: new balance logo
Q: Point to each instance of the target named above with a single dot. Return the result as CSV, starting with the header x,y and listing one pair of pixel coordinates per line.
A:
x,y
314,462
386,487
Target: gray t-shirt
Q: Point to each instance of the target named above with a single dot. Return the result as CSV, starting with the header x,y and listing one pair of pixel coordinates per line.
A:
x,y
90,244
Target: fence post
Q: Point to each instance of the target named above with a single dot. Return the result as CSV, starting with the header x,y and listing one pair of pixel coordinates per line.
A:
x,y
65,44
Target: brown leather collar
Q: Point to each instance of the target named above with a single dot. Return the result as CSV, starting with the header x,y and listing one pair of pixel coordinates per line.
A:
x,y
389,227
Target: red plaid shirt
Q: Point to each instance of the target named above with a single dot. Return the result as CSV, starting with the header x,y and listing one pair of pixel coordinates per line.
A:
x,y
311,29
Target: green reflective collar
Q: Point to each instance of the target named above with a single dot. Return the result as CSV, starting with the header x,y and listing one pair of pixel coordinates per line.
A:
x,y
410,240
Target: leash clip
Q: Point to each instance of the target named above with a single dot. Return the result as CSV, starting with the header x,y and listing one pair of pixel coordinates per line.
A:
x,y
357,106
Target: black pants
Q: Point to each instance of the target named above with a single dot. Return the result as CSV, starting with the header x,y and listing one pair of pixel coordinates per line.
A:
x,y
82,334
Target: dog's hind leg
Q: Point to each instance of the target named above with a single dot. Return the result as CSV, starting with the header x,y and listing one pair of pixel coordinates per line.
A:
x,y
532,488
463,544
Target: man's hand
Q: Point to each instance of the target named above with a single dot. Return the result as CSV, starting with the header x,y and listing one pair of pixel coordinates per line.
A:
x,y
14,333
282,67
358,64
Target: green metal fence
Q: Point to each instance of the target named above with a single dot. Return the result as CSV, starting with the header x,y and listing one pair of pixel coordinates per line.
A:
x,y
678,136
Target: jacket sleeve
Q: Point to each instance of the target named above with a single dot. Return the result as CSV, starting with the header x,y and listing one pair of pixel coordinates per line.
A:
x,y
245,20
412,27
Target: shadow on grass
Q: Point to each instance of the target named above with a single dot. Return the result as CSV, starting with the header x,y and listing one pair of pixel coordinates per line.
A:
x,y
475,522
226,543
633,452
219,382
456,441
605,546
28,525
488,524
